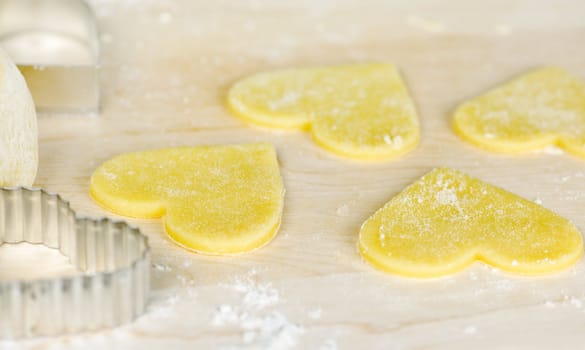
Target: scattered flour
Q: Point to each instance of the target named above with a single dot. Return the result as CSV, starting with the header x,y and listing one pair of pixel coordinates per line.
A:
x,y
343,210
425,24
447,197
257,296
566,178
502,29
552,150
576,302
316,313
396,140
549,304
162,306
288,99
165,17
161,267
273,331
329,344
470,329
261,328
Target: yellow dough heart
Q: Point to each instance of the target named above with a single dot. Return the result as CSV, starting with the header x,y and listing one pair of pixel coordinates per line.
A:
x,y
214,199
359,111
543,108
446,220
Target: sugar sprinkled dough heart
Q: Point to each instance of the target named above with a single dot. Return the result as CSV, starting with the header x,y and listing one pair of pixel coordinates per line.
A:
x,y
214,199
446,220
359,111
18,127
543,108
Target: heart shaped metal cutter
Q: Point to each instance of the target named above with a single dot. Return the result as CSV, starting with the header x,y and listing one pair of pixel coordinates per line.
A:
x,y
55,44
114,257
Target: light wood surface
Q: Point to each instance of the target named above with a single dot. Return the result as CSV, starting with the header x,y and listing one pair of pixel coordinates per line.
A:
x,y
166,65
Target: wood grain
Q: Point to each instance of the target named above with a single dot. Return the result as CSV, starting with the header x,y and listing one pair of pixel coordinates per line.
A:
x,y
166,65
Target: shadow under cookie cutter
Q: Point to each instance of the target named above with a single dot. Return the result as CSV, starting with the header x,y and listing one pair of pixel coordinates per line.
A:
x,y
55,44
114,258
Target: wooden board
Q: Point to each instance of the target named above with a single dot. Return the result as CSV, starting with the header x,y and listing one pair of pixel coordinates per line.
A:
x,y
166,65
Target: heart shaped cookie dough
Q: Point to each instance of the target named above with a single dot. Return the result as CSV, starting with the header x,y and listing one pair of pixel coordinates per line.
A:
x,y
445,221
359,111
543,108
214,199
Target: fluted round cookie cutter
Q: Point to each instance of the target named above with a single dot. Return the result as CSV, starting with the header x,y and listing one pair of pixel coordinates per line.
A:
x,y
114,257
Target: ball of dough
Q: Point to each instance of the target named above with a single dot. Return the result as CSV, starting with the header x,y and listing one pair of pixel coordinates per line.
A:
x,y
18,127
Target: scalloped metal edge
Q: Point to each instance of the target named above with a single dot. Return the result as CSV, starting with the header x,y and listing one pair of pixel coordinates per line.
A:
x,y
114,257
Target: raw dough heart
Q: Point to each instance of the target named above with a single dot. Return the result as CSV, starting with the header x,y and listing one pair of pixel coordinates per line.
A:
x,y
542,108
446,220
18,128
359,111
214,199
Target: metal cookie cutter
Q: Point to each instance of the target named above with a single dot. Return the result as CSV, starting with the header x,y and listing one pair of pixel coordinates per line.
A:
x,y
114,256
56,46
